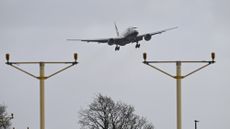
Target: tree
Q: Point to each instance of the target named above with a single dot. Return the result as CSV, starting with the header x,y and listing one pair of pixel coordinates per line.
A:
x,y
104,113
4,118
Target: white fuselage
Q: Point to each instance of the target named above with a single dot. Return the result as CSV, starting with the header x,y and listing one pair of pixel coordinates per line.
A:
x,y
130,32
128,36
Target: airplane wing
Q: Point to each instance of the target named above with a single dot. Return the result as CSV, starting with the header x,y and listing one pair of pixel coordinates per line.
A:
x,y
155,33
90,40
105,40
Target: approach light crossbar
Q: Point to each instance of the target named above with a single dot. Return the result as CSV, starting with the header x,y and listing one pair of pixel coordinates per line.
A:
x,y
150,63
14,64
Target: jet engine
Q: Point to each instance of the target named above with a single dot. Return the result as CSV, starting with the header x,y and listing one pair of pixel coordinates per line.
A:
x,y
147,37
111,41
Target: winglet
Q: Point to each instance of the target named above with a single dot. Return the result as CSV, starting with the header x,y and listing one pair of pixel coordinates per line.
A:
x,y
117,32
171,28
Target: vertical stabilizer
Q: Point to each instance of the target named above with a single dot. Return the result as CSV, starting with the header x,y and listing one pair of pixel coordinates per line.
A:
x,y
117,32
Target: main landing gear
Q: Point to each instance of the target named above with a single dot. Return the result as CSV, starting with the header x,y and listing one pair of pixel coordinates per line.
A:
x,y
137,45
117,48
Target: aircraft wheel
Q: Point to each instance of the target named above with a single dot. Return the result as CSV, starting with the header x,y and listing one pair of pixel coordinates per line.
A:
x,y
137,46
117,48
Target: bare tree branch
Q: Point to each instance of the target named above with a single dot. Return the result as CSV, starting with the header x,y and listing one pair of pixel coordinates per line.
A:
x,y
104,113
4,118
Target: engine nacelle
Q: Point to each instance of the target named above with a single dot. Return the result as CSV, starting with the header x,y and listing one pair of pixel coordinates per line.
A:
x,y
111,41
147,37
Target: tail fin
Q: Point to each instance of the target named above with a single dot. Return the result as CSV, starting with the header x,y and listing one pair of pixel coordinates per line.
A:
x,y
117,32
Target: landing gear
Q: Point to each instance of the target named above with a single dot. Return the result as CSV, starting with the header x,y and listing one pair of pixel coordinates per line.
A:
x,y
117,48
137,45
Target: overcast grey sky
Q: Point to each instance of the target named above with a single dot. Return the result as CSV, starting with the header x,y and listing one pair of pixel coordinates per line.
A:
x,y
36,30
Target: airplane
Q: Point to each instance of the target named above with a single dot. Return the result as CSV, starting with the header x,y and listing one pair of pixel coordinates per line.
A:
x,y
130,35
